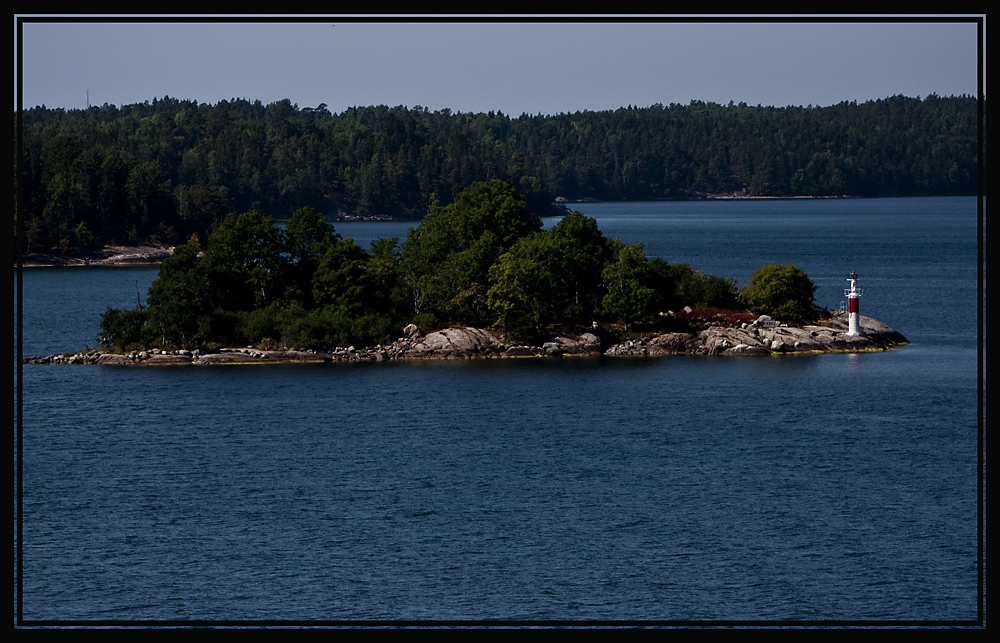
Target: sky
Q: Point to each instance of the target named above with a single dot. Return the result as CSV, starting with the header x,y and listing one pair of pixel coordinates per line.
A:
x,y
512,65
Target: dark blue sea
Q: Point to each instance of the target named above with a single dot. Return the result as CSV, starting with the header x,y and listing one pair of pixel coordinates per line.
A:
x,y
820,487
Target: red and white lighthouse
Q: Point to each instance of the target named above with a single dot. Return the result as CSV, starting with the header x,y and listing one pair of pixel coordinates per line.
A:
x,y
852,294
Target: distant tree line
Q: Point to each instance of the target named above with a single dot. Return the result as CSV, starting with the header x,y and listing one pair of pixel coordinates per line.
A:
x,y
479,261
165,170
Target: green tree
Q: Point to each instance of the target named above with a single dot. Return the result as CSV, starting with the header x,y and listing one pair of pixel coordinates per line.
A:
x,y
123,329
244,262
782,291
525,291
679,285
580,252
385,293
178,299
446,259
625,297
550,277
308,237
339,280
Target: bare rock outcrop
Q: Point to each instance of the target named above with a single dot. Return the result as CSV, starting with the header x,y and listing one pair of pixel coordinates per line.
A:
x,y
450,343
582,344
761,337
669,344
768,337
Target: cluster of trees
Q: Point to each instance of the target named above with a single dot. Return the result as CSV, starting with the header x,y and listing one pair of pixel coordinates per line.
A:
x,y
480,261
161,171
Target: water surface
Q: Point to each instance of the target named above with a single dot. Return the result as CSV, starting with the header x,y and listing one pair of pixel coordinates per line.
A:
x,y
830,487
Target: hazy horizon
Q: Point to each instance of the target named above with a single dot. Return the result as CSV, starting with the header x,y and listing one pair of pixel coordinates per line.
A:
x,y
515,66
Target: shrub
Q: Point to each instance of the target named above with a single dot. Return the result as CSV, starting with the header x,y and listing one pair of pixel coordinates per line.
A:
x,y
782,291
123,329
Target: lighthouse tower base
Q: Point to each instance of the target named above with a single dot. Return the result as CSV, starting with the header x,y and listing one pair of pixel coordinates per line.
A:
x,y
853,311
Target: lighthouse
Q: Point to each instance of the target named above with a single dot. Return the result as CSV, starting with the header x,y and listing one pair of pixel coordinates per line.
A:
x,y
852,294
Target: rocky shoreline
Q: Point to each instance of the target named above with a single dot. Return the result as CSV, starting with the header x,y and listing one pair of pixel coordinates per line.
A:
x,y
107,256
762,337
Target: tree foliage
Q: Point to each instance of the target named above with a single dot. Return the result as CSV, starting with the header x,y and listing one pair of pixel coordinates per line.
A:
x,y
179,299
525,290
244,261
625,297
163,170
480,260
446,260
782,291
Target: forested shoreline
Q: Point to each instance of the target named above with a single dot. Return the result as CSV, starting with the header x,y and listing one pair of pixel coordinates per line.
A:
x,y
163,171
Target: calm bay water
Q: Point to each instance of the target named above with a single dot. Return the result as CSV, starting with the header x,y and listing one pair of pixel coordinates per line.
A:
x,y
810,487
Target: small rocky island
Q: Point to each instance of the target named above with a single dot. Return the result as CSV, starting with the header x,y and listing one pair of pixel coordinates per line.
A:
x,y
479,262
762,337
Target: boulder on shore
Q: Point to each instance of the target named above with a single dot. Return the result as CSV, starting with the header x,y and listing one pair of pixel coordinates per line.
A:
x,y
450,343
